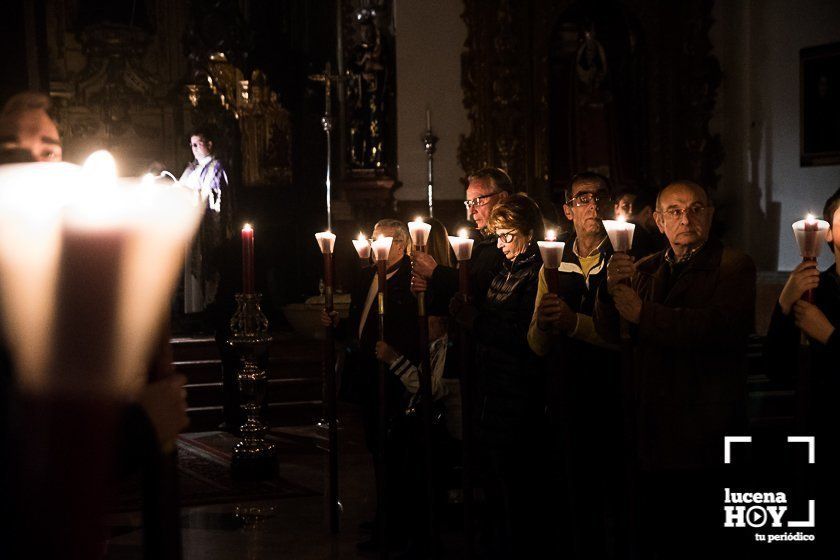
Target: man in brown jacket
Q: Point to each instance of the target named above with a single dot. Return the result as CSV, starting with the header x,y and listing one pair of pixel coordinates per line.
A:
x,y
690,310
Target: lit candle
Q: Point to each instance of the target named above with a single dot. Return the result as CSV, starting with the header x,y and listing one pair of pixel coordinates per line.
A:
x,y
808,233
461,245
248,259
362,245
326,241
620,232
419,231
551,250
77,244
807,236
381,247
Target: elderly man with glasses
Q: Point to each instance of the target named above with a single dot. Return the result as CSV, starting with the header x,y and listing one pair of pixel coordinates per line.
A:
x,y
690,310
583,389
485,189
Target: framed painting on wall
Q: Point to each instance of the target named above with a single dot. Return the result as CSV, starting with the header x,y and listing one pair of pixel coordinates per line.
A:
x,y
819,105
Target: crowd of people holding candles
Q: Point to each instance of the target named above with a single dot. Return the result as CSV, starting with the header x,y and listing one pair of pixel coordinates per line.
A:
x,y
581,381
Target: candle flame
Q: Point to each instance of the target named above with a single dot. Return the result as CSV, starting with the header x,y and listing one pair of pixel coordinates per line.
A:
x,y
550,235
463,234
810,218
148,180
247,227
419,219
621,218
101,167
361,237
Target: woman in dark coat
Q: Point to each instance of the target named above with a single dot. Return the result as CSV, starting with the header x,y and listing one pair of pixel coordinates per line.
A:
x,y
509,403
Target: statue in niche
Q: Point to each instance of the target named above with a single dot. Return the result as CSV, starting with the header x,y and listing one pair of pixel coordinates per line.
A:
x,y
591,66
366,93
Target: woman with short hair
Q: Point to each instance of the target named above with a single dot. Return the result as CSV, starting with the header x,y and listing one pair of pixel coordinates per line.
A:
x,y
509,381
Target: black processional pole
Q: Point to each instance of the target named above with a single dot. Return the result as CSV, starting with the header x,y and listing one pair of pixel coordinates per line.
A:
x,y
419,237
326,242
381,248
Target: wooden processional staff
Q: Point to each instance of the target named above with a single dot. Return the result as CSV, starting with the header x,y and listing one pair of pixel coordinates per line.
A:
x,y
381,247
419,237
462,246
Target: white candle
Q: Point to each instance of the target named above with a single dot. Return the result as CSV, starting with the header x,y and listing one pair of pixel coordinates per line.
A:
x,y
461,245
551,250
419,231
381,247
326,241
809,233
362,245
620,232
88,263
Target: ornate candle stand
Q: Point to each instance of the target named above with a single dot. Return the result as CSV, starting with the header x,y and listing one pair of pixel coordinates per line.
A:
x,y
253,456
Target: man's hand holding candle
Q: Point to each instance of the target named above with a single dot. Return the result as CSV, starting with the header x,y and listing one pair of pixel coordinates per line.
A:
x,y
619,269
803,278
423,264
553,314
812,321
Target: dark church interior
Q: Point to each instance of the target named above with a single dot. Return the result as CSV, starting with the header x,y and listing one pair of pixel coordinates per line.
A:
x,y
416,279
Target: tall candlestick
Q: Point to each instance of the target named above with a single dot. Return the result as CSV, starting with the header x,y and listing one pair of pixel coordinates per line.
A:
x,y
419,232
326,242
551,251
248,259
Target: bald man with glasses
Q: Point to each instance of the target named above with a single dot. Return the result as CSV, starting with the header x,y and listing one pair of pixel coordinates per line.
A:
x,y
691,308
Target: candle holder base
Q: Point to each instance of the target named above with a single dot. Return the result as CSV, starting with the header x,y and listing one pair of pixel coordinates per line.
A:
x,y
253,457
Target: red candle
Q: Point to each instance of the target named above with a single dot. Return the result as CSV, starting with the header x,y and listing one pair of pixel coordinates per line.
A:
x,y
248,259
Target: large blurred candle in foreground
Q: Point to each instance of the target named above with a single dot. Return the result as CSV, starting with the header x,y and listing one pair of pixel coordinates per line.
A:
x,y
87,265
248,259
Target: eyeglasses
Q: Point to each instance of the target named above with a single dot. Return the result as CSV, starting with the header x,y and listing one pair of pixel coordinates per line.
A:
x,y
676,214
587,197
479,200
507,237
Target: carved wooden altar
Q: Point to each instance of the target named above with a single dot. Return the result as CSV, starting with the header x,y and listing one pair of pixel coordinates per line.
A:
x,y
623,88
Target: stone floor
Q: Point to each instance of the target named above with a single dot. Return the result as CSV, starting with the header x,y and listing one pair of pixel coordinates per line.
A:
x,y
286,528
